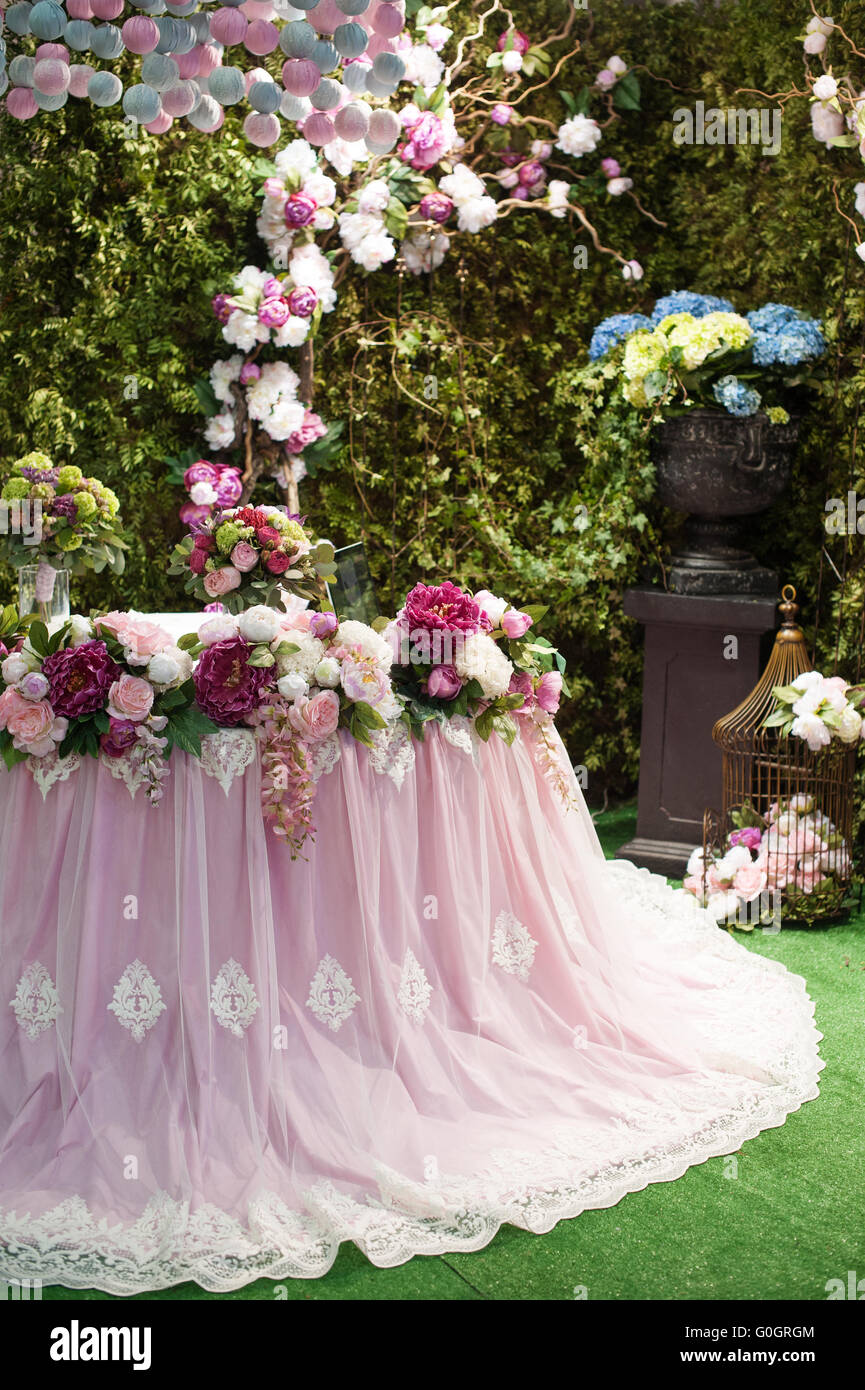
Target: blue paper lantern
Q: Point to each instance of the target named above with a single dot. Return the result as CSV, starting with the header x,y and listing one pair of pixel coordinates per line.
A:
x,y
304,4
106,41
325,56
297,39
159,71
182,10
352,6
375,86
47,20
52,102
227,85
186,39
354,77
18,17
388,67
21,70
200,26
105,89
169,34
141,103
78,34
265,97
350,40
327,95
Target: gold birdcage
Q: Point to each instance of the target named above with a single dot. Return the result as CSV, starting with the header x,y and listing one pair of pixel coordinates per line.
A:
x,y
800,801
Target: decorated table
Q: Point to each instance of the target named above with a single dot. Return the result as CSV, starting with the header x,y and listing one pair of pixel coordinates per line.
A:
x,y
218,1061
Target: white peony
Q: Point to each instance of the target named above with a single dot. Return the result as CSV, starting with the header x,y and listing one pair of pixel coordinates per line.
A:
x,y
304,661
286,418
826,123
462,185
578,136
814,43
222,374
813,730
374,251
327,673
736,858
512,60
849,725
219,432
162,669
344,154
309,266
823,26
218,629
825,88
261,396
292,686
250,280
477,213
355,226
80,630
695,862
616,187
616,65
423,66
371,643
258,624
13,668
491,605
481,659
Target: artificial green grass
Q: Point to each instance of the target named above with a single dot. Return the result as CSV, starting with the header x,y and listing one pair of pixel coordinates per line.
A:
x,y
791,1218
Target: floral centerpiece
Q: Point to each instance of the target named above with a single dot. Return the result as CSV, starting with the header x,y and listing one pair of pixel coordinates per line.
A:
x,y
57,519
695,350
116,685
818,709
248,556
794,849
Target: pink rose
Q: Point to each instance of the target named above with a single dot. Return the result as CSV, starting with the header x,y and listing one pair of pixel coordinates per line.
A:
x,y
750,881
141,638
549,690
443,683
315,718
221,581
515,624
322,624
131,698
244,557
32,724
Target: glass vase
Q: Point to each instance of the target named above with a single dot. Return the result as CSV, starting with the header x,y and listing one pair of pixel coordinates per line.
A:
x,y
45,591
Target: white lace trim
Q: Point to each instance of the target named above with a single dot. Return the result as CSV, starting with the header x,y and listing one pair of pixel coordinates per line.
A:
x,y
126,770
513,948
392,753
227,754
531,1189
36,1004
52,768
233,999
459,731
332,995
415,990
137,1000
322,757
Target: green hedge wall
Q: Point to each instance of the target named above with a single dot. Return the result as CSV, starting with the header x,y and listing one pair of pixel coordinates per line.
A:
x,y
111,245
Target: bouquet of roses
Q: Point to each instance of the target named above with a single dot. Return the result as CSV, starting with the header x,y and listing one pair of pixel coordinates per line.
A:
x,y
249,556
56,517
818,709
456,653
695,350
115,685
794,848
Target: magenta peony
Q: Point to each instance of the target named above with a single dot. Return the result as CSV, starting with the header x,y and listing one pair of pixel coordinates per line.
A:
x,y
436,207
443,683
300,210
122,733
227,688
80,678
302,301
549,691
515,624
443,608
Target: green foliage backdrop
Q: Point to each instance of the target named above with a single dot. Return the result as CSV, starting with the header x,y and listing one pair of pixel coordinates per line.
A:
x,y
110,244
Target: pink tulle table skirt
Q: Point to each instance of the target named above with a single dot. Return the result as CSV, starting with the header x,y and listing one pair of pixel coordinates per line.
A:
x,y
218,1064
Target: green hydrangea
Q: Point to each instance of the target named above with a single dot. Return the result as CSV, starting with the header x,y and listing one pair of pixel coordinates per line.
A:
x,y
16,489
778,415
44,492
68,539
68,477
227,536
293,530
85,505
698,338
36,459
644,353
108,501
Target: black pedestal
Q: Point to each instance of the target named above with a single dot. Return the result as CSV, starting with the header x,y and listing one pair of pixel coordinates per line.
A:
x,y
702,657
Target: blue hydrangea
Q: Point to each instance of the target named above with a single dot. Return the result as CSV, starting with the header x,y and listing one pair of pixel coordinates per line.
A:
x,y
785,337
735,396
686,302
612,330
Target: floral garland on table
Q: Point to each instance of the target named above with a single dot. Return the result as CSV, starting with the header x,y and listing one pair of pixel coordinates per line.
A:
x,y
116,685
819,709
246,556
695,350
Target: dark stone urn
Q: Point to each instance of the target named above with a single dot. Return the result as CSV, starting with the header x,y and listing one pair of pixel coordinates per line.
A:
x,y
721,469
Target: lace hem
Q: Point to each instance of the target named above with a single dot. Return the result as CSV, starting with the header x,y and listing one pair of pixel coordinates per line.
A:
x,y
531,1189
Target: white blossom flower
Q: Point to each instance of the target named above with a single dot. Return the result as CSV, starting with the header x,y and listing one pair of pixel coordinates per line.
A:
x,y
203,494
162,669
298,159
557,197
825,88
481,659
286,418
219,431
80,630
813,730
578,136
423,66
477,213
374,197
352,633
345,154
724,907
259,623
423,252
616,187
512,60
320,187
462,185
823,26
859,191
293,332
222,374
244,330
616,65
374,251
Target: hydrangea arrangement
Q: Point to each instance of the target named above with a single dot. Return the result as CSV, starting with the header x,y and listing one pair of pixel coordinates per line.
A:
x,y
795,850
818,709
248,556
695,350
116,686
58,517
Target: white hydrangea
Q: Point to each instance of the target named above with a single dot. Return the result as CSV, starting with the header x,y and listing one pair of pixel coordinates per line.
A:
x,y
297,160
304,661
219,431
578,136
371,643
481,659
222,374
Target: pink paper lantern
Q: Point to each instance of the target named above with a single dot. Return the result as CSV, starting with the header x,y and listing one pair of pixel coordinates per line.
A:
x,y
51,77
300,76
261,37
162,123
318,129
228,27
388,20
107,9
79,75
261,130
257,9
209,58
21,103
140,34
180,99
79,9
327,16
255,75
187,63
52,50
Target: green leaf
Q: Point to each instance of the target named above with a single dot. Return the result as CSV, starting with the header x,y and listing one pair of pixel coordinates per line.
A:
x,y
206,396
626,93
188,727
367,715
12,755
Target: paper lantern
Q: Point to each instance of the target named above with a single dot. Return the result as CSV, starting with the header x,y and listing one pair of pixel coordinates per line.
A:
x,y
257,9
52,50
350,40
318,129
18,20
254,75
325,56
352,7
140,34
228,26
376,87
297,39
78,34
79,9
388,21
325,17
388,67
200,26
79,76
50,76
186,40
304,4
163,123
384,129
104,89
21,103
106,41
21,70
159,71
300,76
261,37
354,76
188,63
352,122
151,7
209,58
327,95
264,97
141,103
187,7
261,130
49,103
207,116
294,108
47,20
182,98
227,85
107,9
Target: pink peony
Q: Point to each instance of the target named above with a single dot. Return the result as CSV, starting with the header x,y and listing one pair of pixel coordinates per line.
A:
x,y
436,207
611,167
244,557
200,472
273,313
32,723
443,683
221,581
750,881
323,624
315,718
428,141
250,371
227,688
300,210
130,697
229,487
79,678
515,624
302,301
141,638
363,680
443,608
549,691
33,686
501,113
121,735
750,837
520,41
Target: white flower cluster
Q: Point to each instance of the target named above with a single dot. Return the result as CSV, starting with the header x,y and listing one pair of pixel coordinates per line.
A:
x,y
363,232
475,208
424,251
271,400
480,658
578,136
423,66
